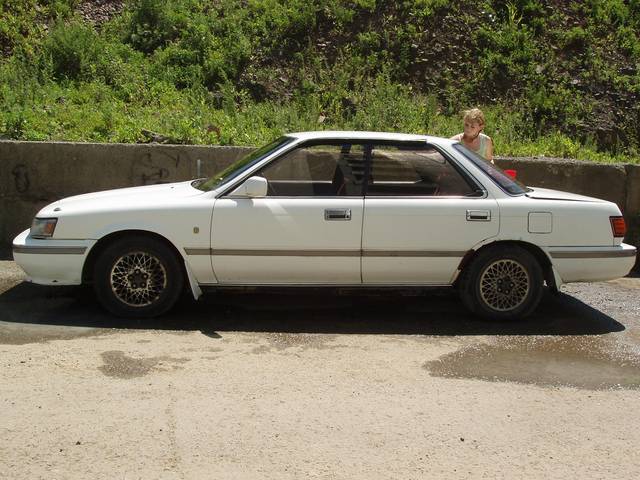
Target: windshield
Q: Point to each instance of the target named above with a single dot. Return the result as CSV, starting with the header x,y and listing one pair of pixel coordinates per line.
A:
x,y
504,181
236,168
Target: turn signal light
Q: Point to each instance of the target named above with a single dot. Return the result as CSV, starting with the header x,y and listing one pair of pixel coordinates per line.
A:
x,y
618,226
43,227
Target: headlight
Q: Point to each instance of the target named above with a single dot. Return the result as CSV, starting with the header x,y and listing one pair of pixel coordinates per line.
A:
x,y
43,227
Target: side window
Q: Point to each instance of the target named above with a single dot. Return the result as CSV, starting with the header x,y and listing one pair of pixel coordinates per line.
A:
x,y
320,171
414,171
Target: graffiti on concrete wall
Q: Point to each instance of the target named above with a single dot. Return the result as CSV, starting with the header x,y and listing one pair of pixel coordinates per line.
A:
x,y
21,178
149,172
155,175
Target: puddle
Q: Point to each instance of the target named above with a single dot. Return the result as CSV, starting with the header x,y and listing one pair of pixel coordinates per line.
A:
x,y
118,365
591,363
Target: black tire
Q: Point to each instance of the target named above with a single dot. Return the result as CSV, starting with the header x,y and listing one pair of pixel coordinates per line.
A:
x,y
502,283
138,276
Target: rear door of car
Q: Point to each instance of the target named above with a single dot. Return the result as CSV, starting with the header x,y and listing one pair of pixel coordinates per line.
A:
x,y
306,230
422,213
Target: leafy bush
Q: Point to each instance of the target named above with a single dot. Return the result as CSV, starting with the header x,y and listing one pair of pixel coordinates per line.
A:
x,y
508,55
575,39
73,50
154,23
24,21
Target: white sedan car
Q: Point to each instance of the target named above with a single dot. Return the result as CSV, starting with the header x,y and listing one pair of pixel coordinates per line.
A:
x,y
331,209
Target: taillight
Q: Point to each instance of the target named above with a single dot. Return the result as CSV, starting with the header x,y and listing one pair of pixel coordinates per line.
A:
x,y
618,226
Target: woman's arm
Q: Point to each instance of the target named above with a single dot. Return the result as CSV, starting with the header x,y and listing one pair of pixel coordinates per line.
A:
x,y
490,150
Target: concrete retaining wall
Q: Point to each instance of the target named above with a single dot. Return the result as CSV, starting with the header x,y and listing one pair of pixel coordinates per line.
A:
x,y
33,174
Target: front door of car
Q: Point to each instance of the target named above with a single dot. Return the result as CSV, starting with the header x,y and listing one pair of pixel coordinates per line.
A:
x,y
422,214
307,229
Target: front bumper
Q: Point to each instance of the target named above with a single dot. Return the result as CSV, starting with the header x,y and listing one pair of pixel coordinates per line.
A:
x,y
51,261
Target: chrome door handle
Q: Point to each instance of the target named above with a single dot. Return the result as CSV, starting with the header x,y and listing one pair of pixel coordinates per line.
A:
x,y
478,215
338,214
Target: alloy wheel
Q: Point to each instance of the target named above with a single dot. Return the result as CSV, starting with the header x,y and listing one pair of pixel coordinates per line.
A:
x,y
504,285
138,279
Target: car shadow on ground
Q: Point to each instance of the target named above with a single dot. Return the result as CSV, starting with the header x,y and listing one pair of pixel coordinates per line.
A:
x,y
435,312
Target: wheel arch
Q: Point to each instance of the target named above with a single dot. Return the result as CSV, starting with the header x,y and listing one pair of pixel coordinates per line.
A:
x,y
540,255
104,242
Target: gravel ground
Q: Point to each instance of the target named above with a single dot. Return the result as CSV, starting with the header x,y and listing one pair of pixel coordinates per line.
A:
x,y
319,384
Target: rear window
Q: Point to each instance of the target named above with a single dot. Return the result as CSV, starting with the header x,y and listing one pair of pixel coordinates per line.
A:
x,y
504,181
414,170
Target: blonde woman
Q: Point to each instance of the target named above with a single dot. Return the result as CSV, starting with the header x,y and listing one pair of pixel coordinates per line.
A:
x,y
472,137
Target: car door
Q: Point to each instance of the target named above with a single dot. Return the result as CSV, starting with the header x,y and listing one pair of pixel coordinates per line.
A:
x,y
307,229
422,214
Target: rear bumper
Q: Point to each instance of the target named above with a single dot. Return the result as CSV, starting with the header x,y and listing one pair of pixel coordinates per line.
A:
x,y
51,262
593,264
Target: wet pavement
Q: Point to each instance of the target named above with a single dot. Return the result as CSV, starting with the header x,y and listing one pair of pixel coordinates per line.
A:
x,y
117,364
593,363
587,337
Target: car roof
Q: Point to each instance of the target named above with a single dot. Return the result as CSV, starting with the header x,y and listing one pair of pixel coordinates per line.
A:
x,y
358,135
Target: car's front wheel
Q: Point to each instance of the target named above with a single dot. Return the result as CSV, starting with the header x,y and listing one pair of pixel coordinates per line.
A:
x,y
138,277
502,283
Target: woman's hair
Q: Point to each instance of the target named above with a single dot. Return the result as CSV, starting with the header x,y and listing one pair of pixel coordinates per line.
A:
x,y
474,115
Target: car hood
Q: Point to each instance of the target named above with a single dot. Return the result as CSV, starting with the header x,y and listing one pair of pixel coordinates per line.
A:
x,y
127,198
547,194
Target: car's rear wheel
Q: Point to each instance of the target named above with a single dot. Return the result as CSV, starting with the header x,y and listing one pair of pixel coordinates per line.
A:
x,y
138,277
502,283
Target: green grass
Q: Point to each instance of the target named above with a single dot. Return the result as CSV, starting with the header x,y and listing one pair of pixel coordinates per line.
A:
x,y
237,72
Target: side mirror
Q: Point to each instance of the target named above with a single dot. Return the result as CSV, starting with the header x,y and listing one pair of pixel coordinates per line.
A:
x,y
252,187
